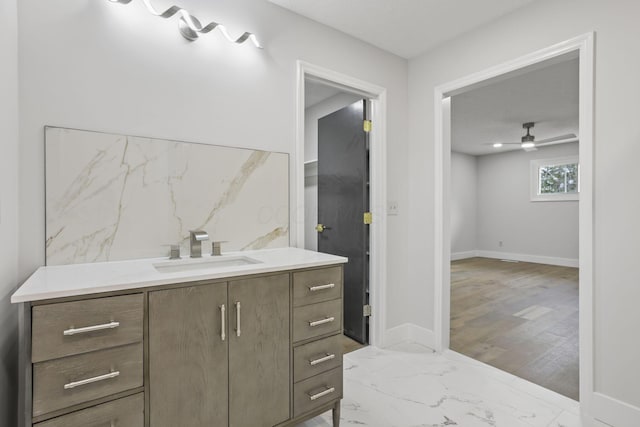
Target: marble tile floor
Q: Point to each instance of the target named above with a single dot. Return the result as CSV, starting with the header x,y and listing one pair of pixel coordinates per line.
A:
x,y
410,386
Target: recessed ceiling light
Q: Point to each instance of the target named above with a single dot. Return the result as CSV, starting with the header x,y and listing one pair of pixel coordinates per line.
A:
x,y
497,145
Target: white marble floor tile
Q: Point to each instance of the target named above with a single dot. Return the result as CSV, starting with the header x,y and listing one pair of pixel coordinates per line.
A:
x,y
566,419
410,386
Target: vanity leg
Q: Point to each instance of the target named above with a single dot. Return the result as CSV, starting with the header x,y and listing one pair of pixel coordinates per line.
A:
x,y
336,414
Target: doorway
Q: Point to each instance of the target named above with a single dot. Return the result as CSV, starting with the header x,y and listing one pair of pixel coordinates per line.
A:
x,y
314,229
582,47
514,225
337,194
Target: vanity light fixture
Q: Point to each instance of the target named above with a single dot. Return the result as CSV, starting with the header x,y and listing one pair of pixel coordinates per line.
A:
x,y
190,27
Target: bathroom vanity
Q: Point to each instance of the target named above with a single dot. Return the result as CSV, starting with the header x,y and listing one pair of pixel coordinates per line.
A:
x,y
251,339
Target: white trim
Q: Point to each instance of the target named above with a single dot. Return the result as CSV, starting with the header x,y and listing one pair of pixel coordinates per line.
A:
x,y
537,259
409,332
584,46
378,180
615,412
534,180
456,256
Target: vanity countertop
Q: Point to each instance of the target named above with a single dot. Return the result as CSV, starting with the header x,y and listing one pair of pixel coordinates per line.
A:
x,y
84,279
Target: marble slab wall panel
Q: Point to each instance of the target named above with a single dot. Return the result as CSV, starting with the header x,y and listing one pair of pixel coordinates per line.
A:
x,y
115,197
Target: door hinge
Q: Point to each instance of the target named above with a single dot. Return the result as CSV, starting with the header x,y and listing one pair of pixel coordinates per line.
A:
x,y
366,310
367,125
368,218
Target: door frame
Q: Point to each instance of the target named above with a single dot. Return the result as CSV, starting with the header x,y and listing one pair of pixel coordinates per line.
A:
x,y
583,46
377,95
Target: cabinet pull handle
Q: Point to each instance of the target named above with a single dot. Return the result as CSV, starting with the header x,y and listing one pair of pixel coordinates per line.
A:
x,y
322,393
238,318
108,376
222,320
321,322
322,359
322,287
74,331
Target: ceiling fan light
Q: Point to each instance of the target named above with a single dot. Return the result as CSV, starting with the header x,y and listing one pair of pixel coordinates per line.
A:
x,y
528,144
497,145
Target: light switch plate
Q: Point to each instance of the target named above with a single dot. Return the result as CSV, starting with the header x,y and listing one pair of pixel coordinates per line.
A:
x,y
392,208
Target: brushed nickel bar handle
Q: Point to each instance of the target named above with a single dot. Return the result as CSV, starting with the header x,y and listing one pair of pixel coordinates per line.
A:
x,y
322,393
222,318
322,359
321,322
238,318
322,287
74,331
108,376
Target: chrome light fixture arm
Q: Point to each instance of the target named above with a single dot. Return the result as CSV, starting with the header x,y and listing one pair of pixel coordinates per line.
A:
x,y
190,27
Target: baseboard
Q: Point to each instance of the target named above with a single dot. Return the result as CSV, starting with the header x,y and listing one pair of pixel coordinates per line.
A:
x,y
615,412
409,332
463,255
538,259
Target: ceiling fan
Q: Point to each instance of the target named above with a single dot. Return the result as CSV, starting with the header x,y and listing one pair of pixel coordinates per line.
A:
x,y
528,142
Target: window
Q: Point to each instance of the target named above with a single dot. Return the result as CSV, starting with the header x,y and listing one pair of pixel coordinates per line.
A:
x,y
555,179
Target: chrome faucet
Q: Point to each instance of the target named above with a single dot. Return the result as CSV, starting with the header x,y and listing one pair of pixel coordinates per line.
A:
x,y
196,238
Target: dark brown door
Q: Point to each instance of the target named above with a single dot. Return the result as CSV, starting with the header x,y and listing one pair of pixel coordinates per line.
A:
x,y
343,198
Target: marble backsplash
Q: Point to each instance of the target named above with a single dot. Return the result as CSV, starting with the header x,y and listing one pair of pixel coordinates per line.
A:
x,y
116,197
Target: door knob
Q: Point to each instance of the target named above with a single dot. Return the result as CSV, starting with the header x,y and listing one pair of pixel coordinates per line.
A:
x,y
320,228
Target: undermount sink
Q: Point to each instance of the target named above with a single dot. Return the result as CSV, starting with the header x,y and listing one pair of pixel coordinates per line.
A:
x,y
204,264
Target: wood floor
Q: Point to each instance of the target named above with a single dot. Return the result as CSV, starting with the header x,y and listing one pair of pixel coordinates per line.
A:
x,y
519,317
349,345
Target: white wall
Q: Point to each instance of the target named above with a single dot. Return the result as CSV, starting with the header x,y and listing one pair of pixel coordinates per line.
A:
x,y
616,154
507,214
464,203
311,116
8,211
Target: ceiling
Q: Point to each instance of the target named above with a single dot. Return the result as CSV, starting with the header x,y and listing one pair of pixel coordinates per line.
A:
x,y
314,93
547,96
403,27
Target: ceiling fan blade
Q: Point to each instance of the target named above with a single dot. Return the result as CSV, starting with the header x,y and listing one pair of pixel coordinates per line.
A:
x,y
557,138
503,143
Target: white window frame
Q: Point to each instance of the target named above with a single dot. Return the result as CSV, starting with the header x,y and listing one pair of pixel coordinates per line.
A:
x,y
535,180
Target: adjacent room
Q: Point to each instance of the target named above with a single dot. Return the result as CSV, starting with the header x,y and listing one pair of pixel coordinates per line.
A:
x,y
514,225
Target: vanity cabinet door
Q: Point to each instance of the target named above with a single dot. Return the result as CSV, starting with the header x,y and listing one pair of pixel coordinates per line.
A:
x,y
188,357
259,351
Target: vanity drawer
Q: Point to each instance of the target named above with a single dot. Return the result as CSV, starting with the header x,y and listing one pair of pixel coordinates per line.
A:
x,y
317,357
125,412
317,285
70,328
71,380
317,319
317,391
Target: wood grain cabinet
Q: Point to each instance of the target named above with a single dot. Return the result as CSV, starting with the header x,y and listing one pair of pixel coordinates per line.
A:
x,y
188,356
219,354
253,351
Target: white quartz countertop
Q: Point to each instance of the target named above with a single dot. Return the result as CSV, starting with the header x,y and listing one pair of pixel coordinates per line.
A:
x,y
84,279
